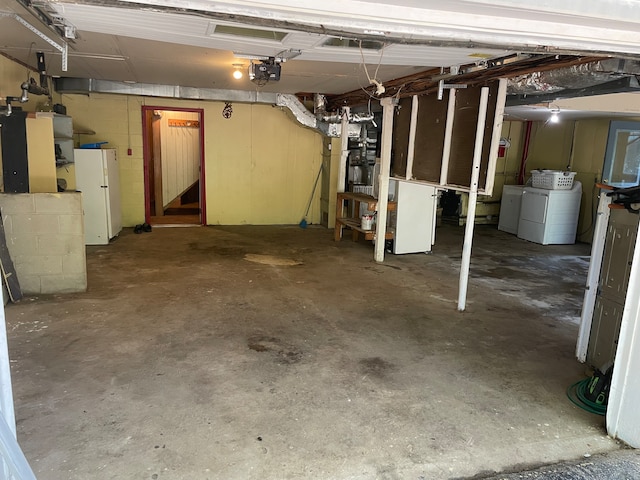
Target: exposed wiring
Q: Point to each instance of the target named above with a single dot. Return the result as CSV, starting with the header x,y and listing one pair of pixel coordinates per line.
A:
x,y
373,81
33,44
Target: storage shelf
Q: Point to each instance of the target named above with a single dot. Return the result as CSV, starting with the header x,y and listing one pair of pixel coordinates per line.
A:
x,y
353,222
354,225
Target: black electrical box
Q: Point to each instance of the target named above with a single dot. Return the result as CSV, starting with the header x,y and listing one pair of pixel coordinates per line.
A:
x,y
265,71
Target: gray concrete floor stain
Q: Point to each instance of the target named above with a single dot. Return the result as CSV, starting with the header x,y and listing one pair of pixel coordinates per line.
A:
x,y
185,361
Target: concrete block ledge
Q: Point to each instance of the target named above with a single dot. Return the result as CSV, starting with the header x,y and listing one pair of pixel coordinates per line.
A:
x,y
45,237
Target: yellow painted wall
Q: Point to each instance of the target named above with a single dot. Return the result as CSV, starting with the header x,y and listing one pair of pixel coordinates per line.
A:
x,y
11,77
41,157
550,146
507,167
331,164
260,165
587,159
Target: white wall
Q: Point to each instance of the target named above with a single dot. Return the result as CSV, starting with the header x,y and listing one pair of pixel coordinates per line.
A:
x,y
180,153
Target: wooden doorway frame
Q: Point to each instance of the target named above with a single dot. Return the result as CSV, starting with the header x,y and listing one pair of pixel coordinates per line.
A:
x,y
147,159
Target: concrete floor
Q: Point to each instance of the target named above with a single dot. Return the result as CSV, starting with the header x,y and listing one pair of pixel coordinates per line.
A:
x,y
274,352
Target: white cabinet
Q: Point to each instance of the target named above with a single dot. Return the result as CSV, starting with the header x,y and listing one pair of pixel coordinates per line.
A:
x,y
550,216
98,178
414,220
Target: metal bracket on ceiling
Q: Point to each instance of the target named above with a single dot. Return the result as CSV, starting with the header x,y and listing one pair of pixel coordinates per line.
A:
x,y
448,86
63,49
453,71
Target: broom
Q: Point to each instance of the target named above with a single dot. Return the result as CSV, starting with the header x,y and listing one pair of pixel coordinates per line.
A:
x,y
303,222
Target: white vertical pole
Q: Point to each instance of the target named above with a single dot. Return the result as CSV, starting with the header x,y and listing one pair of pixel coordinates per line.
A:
x,y
501,98
344,150
388,108
448,134
412,137
473,198
6,393
623,414
593,277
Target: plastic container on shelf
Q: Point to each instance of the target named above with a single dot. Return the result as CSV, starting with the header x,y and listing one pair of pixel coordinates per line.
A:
x,y
92,145
366,222
552,179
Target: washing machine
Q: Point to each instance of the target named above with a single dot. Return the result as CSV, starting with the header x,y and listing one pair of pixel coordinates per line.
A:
x,y
550,217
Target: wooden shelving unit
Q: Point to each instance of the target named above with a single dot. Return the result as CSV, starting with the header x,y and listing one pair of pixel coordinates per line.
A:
x,y
350,202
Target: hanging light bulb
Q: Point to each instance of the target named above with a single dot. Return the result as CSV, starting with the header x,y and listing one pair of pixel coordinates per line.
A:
x,y
237,72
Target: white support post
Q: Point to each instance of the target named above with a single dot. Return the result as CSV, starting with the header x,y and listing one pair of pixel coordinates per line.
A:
x,y
473,198
448,135
388,108
6,393
593,277
623,414
344,150
412,137
501,99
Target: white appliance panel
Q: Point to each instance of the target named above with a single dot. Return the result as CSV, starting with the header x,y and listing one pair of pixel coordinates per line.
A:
x,y
114,216
414,217
510,208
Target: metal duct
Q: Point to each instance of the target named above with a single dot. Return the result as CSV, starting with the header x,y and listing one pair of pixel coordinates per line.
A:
x,y
319,104
304,116
291,102
618,85
573,78
89,85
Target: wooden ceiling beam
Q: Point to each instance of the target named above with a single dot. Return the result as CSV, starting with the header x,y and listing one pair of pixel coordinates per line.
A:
x,y
427,82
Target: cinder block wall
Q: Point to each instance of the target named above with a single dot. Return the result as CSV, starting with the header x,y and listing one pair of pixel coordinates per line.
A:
x,y
45,238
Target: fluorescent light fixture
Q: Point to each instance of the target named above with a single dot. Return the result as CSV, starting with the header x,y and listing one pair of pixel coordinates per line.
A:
x,y
351,43
254,33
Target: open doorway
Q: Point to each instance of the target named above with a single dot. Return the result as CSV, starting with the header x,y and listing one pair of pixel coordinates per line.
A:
x,y
173,166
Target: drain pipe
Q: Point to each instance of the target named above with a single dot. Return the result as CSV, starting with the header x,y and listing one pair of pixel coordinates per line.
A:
x,y
525,153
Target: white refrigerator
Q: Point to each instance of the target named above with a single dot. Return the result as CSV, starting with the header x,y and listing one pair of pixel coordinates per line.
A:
x,y
98,178
414,220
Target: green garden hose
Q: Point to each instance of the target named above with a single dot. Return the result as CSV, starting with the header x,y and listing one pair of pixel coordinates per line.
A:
x,y
577,394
